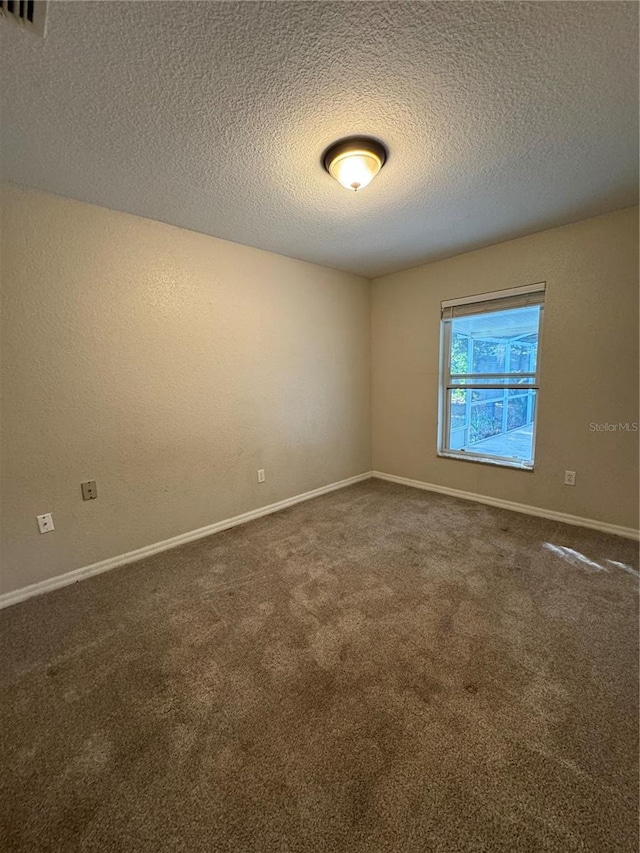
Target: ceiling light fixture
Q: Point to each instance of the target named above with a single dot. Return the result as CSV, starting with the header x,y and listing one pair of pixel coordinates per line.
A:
x,y
354,162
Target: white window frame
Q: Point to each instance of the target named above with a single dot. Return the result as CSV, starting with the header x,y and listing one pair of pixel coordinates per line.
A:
x,y
481,304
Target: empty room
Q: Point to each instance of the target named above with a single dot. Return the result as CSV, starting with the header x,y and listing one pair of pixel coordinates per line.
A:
x,y
319,411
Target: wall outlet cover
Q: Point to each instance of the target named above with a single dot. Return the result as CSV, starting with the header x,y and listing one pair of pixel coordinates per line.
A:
x,y
45,522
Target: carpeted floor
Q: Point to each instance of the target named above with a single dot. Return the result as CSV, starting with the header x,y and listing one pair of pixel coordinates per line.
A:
x,y
379,670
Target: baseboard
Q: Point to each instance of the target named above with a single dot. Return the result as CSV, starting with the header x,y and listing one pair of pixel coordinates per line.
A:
x,y
17,595
67,578
552,515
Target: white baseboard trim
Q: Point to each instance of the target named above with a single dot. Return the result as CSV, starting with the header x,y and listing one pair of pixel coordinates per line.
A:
x,y
17,595
552,515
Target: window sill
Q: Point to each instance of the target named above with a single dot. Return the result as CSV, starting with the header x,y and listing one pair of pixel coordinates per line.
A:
x,y
485,460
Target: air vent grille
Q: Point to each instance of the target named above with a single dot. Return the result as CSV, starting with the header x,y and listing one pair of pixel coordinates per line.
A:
x,y
29,14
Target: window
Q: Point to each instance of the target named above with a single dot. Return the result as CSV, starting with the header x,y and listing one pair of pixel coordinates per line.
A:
x,y
489,376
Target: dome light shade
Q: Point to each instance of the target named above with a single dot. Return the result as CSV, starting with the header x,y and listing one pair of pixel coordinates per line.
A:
x,y
355,162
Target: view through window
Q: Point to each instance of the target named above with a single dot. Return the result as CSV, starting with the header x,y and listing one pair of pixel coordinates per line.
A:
x,y
489,382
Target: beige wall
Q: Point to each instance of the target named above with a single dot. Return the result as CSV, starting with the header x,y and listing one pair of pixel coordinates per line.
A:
x,y
589,367
169,366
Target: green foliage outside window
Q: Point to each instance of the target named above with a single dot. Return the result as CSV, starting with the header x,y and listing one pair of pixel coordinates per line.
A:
x,y
459,364
485,421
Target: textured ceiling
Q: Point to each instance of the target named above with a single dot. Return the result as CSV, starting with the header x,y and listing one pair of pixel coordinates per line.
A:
x,y
501,119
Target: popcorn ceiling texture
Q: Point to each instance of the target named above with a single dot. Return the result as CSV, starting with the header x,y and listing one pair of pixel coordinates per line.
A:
x,y
501,119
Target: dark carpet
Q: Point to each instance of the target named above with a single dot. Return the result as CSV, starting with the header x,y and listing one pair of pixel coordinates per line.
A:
x,y
380,669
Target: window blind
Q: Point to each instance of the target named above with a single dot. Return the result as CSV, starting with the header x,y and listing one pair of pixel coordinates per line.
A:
x,y
498,300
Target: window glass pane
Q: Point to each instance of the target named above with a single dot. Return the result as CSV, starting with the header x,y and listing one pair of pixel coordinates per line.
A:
x,y
488,356
459,353
496,342
478,394
459,411
492,422
523,355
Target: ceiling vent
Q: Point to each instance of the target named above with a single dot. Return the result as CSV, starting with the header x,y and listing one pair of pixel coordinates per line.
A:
x,y
31,15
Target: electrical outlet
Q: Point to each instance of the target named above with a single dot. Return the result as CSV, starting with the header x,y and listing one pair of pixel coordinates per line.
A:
x,y
261,475
45,522
89,490
569,478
